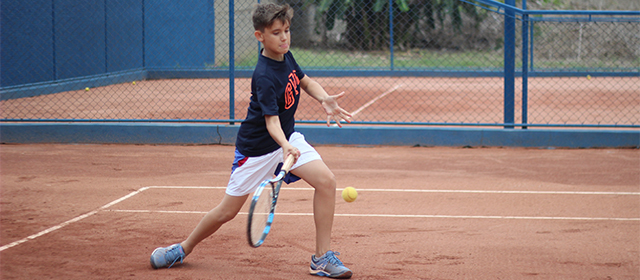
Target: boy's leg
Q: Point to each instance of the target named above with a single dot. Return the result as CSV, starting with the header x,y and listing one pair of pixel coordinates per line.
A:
x,y
211,222
325,262
247,174
318,175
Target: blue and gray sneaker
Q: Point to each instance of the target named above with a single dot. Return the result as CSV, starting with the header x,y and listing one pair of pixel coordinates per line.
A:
x,y
167,256
329,266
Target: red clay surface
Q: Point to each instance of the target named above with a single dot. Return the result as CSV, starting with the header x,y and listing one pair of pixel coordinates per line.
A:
x,y
579,219
601,100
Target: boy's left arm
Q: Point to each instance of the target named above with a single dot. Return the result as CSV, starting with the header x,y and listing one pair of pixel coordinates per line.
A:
x,y
329,102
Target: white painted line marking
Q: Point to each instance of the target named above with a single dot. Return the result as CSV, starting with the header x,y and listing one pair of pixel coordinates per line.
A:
x,y
354,113
108,205
404,216
424,191
394,88
500,192
76,219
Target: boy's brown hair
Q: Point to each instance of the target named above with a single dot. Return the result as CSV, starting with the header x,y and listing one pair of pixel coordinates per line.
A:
x,y
265,14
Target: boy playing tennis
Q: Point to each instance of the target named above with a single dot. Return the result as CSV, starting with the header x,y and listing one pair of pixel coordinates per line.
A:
x,y
266,137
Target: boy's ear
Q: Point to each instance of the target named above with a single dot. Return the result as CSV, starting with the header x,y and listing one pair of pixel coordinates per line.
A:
x,y
259,36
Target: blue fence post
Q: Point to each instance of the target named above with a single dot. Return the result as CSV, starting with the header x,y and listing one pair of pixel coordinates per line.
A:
x,y
525,65
53,36
259,44
211,25
391,33
106,39
509,63
144,46
531,30
231,63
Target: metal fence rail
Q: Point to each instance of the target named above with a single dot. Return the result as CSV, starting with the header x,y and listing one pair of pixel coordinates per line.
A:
x,y
478,63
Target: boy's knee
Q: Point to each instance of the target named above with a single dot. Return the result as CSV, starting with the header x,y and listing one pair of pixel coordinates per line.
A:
x,y
332,181
329,181
224,215
227,216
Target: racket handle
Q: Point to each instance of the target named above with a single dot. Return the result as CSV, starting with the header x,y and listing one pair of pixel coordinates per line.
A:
x,y
288,162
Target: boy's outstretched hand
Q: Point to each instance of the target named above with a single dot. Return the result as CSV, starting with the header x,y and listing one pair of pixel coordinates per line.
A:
x,y
334,111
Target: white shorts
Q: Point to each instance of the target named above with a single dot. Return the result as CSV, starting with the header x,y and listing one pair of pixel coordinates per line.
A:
x,y
249,172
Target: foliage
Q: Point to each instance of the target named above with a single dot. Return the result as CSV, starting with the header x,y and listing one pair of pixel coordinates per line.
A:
x,y
367,20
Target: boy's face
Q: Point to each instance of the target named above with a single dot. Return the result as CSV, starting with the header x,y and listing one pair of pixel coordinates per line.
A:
x,y
276,39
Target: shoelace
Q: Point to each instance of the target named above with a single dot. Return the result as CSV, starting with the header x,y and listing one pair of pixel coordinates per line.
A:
x,y
331,258
174,253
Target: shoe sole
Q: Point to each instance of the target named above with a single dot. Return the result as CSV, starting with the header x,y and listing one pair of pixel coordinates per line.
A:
x,y
345,275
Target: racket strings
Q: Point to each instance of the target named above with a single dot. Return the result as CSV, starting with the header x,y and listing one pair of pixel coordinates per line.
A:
x,y
262,209
261,212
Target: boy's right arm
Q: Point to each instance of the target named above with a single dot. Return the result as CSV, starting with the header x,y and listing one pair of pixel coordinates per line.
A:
x,y
275,130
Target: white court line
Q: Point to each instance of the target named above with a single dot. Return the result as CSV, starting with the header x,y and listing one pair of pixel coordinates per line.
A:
x,y
424,190
500,192
401,216
394,88
81,217
76,219
354,113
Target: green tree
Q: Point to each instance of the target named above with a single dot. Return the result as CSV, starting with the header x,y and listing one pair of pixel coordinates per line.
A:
x,y
368,20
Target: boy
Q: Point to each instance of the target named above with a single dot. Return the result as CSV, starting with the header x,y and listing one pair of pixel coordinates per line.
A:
x,y
266,137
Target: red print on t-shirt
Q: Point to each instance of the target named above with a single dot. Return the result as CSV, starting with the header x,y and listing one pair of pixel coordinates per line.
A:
x,y
292,90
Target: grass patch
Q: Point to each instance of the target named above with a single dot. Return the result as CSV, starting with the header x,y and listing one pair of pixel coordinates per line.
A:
x,y
436,60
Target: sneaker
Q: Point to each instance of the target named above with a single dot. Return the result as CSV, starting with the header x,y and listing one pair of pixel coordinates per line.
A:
x,y
167,256
329,266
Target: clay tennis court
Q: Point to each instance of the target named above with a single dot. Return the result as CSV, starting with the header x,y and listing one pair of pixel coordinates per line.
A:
x,y
97,212
577,100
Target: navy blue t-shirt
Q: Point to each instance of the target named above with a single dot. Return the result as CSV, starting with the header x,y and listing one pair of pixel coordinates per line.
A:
x,y
275,90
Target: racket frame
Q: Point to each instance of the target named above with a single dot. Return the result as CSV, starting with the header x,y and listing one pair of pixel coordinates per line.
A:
x,y
275,185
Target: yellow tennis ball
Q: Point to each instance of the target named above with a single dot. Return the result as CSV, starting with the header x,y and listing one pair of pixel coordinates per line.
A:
x,y
349,194
134,83
588,77
86,89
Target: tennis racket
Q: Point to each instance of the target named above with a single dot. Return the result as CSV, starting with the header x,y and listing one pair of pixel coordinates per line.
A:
x,y
263,206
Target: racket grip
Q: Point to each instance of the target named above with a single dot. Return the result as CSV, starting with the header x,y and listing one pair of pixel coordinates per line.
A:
x,y
288,162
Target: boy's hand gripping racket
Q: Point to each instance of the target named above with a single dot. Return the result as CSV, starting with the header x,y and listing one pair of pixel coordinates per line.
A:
x,y
263,206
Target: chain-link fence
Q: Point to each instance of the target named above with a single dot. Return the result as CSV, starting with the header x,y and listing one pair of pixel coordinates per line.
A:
x,y
400,62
